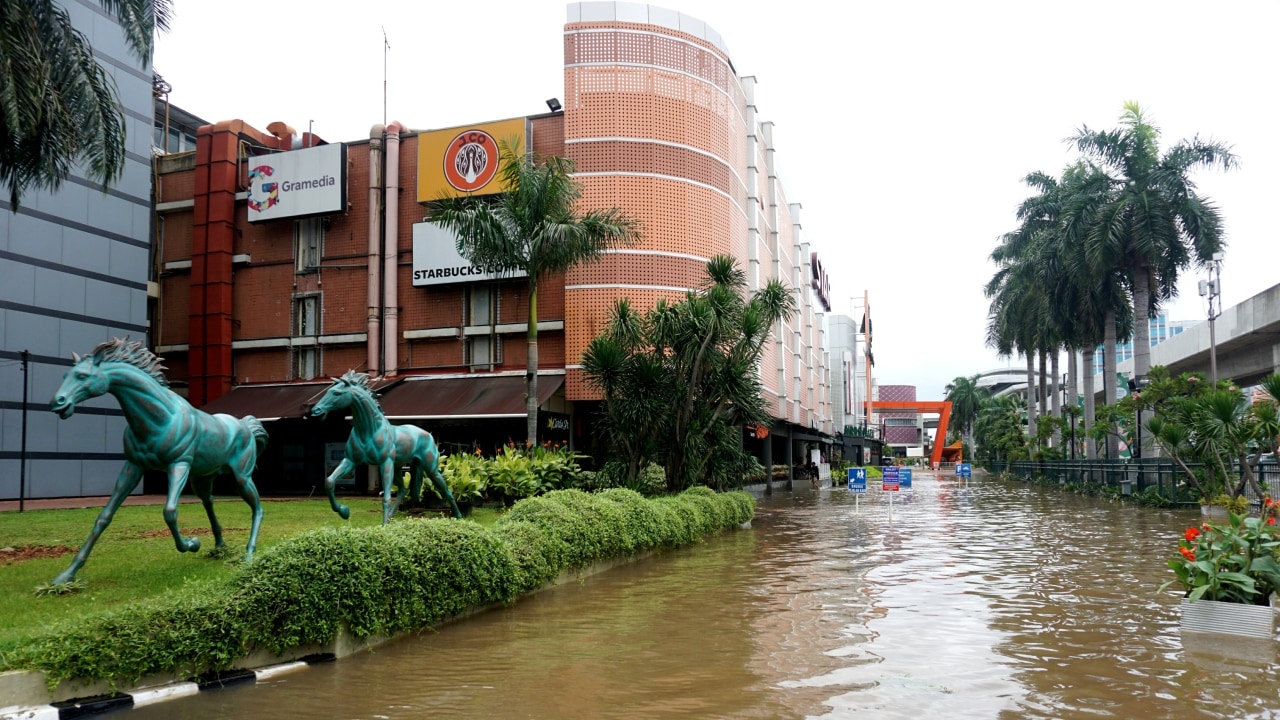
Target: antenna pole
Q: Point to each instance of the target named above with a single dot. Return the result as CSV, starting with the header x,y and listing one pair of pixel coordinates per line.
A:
x,y
385,47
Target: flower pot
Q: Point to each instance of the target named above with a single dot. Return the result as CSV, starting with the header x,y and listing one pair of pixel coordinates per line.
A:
x,y
1213,512
1212,616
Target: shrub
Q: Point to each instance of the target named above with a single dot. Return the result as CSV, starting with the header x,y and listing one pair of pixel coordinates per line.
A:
x,y
378,580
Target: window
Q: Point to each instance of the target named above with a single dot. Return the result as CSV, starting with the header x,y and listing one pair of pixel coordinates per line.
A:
x,y
481,305
308,237
306,323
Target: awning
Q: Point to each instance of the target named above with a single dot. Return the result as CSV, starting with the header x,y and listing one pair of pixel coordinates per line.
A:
x,y
268,402
464,398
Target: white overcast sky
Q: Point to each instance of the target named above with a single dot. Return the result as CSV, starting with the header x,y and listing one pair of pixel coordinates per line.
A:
x,y
903,128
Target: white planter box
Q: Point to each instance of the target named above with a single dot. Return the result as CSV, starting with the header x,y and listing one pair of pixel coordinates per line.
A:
x,y
1212,616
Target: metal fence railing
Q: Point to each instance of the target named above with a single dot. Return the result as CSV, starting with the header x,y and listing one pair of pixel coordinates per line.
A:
x,y
1130,476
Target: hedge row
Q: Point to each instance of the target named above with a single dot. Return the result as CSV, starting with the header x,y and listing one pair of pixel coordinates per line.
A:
x,y
382,580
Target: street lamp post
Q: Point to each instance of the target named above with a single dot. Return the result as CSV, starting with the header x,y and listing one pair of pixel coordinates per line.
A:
x,y
1212,289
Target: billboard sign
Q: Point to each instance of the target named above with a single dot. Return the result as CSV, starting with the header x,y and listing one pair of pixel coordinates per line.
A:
x,y
857,480
436,260
889,483
464,160
298,183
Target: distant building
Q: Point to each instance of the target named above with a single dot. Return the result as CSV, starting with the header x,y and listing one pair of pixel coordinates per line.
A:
x,y
1162,329
75,267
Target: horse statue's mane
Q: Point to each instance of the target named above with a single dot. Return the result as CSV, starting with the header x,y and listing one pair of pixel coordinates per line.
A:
x,y
356,379
133,353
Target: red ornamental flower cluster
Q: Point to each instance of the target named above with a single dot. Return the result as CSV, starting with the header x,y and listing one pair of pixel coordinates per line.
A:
x,y
1186,553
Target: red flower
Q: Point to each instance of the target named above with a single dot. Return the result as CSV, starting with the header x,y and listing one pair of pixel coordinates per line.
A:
x,y
1271,521
1268,502
1187,554
1192,534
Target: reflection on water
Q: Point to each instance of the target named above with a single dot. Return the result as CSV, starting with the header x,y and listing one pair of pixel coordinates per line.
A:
x,y
991,601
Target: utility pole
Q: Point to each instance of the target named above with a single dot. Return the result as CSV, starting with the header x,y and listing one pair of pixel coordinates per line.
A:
x,y
1212,289
22,462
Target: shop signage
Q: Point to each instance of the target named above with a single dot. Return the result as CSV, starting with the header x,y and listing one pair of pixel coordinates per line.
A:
x,y
464,160
436,260
820,283
298,183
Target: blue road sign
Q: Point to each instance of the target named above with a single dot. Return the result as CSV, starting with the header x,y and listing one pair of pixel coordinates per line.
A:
x,y
857,480
964,470
904,477
889,483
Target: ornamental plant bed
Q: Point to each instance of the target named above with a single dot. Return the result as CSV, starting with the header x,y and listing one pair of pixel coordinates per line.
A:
x,y
371,582
1220,565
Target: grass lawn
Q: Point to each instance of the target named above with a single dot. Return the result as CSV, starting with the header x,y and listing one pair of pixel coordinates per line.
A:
x,y
135,558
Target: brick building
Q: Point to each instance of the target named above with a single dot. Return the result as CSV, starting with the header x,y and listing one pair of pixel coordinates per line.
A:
x,y
285,260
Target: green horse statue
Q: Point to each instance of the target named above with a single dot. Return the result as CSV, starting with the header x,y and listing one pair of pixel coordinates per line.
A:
x,y
164,433
374,441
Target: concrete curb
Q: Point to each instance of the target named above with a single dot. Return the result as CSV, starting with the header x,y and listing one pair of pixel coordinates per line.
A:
x,y
84,707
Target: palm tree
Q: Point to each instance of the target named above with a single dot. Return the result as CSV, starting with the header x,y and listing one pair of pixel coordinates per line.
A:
x,y
532,228
966,396
58,107
1153,224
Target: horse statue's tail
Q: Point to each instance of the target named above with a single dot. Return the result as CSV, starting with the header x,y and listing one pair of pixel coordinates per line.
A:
x,y
254,425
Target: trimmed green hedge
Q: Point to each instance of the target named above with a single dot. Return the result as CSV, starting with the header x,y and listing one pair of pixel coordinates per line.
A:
x,y
383,580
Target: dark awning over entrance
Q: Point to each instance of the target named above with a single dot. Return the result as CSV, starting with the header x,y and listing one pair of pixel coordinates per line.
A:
x,y
268,402
463,398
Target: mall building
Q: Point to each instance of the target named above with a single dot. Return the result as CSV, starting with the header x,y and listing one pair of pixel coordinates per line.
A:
x,y
283,260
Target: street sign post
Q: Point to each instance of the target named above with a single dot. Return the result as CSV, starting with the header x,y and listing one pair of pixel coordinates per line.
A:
x,y
904,478
857,486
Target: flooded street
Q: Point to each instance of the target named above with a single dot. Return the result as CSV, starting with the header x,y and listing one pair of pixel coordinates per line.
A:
x,y
991,601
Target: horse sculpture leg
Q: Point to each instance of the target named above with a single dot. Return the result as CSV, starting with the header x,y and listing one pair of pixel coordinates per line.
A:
x,y
204,490
389,507
433,470
249,492
178,474
128,479
343,468
415,488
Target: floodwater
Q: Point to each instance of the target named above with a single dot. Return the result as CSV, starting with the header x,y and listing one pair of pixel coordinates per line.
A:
x,y
987,601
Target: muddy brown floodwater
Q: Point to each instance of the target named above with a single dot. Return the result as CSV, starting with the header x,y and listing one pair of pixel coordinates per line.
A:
x,y
992,601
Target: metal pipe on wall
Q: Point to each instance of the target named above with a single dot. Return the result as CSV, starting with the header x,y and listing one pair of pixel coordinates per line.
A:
x,y
373,312
391,254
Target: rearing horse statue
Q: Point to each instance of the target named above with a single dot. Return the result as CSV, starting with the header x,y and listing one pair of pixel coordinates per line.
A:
x,y
164,433
374,441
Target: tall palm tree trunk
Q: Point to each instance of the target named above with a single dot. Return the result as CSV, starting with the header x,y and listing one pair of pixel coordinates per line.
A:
x,y
1055,396
1031,395
1141,323
1043,395
1086,358
1109,379
531,365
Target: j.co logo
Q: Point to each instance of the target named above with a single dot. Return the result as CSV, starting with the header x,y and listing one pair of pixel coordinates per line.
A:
x,y
471,160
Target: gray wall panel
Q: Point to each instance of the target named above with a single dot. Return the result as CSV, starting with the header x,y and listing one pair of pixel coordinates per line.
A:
x,y
17,282
85,251
24,331
9,479
84,433
110,213
35,238
128,261
54,478
60,291
109,300
98,477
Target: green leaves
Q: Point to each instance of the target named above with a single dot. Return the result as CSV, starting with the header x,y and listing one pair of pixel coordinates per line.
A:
x,y
384,580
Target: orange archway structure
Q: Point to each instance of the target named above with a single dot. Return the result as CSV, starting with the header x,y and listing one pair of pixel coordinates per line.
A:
x,y
942,407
